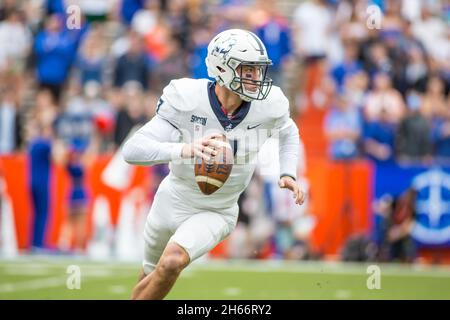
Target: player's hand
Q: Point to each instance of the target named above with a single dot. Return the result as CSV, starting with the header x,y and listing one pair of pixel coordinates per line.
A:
x,y
202,148
291,184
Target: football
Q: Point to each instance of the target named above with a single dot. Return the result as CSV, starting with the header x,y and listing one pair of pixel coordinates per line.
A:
x,y
211,175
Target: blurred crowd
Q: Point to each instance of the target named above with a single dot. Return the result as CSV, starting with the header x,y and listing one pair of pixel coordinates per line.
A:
x,y
390,85
72,85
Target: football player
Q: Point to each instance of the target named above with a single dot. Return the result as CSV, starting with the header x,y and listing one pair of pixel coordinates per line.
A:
x,y
183,223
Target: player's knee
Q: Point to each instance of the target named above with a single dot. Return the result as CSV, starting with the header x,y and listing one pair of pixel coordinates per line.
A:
x,y
174,260
171,265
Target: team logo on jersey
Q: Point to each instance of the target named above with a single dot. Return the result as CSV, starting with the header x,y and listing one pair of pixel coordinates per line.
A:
x,y
229,127
199,120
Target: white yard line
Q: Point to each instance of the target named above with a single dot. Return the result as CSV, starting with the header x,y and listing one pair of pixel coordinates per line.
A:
x,y
22,271
232,291
310,267
342,294
64,264
118,289
33,284
57,281
322,267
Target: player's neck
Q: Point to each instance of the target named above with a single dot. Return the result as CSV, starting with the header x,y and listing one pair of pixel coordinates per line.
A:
x,y
228,99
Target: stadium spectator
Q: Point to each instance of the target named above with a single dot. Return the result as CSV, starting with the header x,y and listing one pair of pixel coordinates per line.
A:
x,y
200,40
379,139
133,65
409,60
6,7
11,122
275,33
74,158
435,107
413,141
177,20
356,88
342,128
377,60
91,60
54,49
351,19
409,40
348,66
416,71
96,114
15,38
401,246
55,7
234,13
382,210
33,16
145,18
392,20
411,9
40,135
173,65
383,110
441,137
128,9
384,99
312,24
131,114
359,248
157,41
198,14
432,31
435,104
74,136
76,122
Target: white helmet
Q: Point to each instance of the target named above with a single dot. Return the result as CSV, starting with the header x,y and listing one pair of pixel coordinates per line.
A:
x,y
231,49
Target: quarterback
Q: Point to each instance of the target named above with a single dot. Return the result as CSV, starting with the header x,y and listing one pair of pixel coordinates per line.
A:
x,y
242,104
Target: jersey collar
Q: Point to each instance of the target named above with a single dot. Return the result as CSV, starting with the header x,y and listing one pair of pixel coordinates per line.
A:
x,y
227,124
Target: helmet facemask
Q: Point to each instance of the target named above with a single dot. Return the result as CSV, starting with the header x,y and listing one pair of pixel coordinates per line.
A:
x,y
250,80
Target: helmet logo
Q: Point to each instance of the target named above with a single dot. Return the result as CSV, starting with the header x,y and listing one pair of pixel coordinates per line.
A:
x,y
223,48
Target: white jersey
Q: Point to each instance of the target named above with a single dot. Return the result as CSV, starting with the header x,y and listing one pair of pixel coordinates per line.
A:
x,y
193,111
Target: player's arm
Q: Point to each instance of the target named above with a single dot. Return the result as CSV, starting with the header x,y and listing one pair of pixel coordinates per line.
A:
x,y
157,142
289,149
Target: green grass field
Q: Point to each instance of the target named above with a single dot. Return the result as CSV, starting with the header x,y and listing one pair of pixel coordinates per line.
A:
x,y
44,278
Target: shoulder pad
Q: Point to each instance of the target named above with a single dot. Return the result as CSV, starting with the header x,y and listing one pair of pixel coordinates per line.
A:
x,y
183,94
275,105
